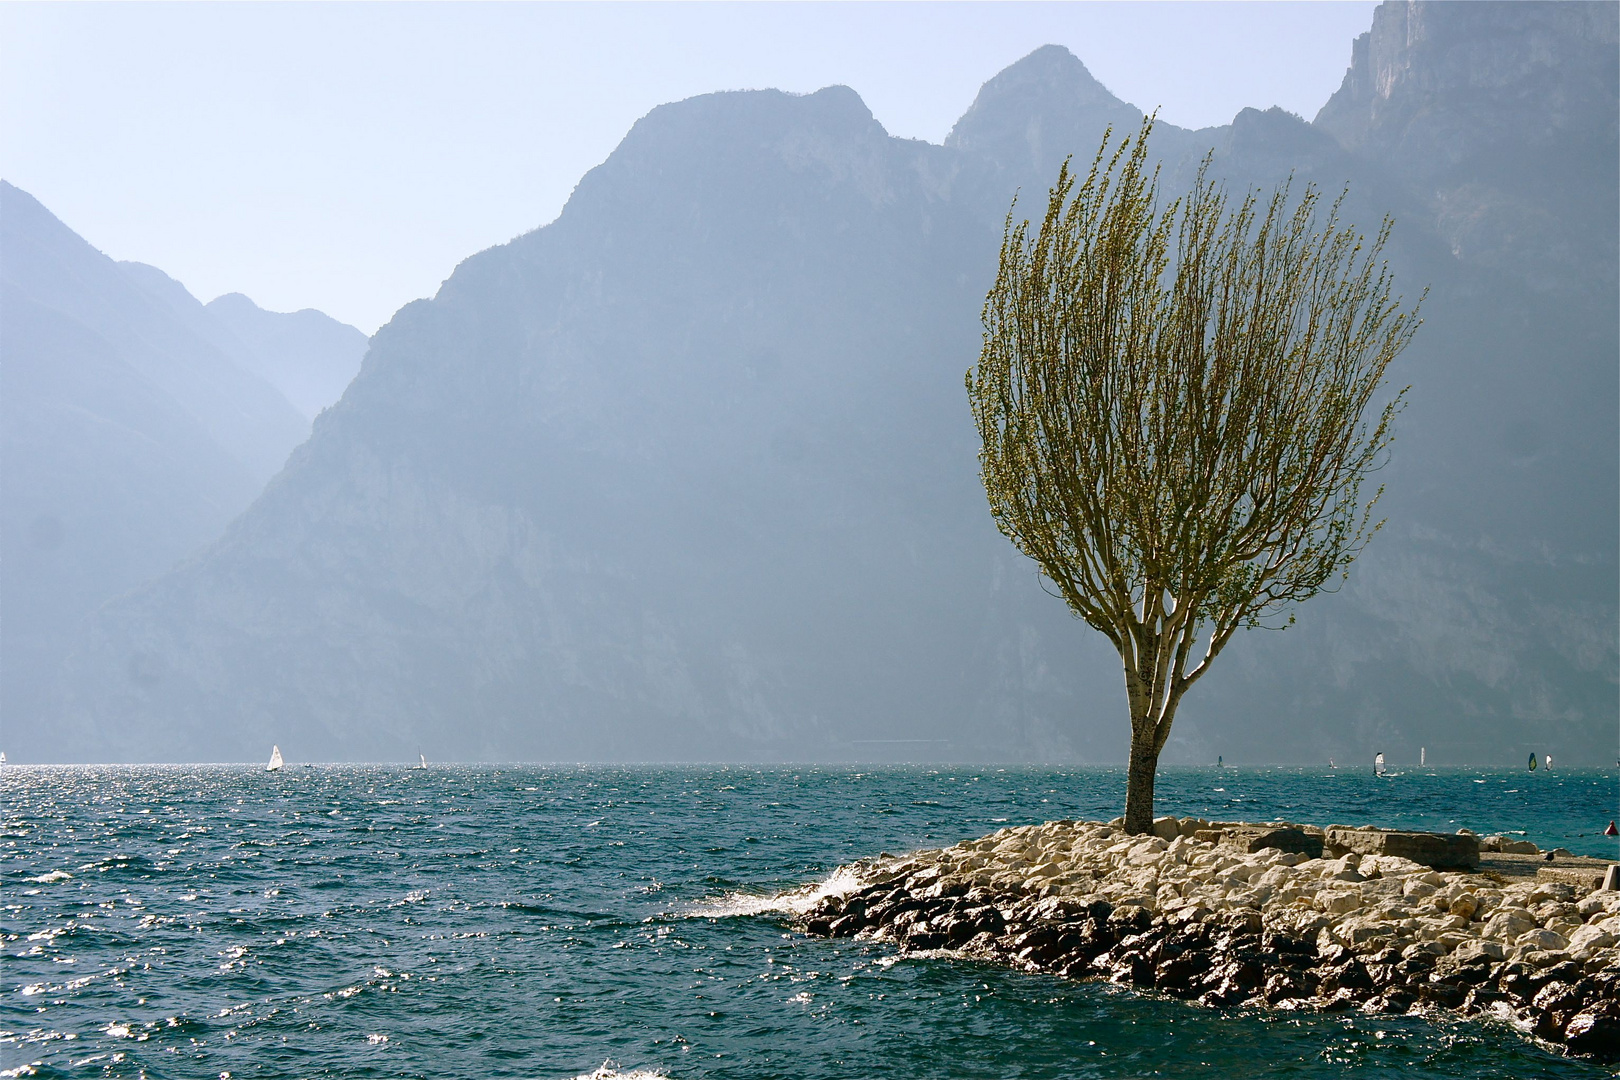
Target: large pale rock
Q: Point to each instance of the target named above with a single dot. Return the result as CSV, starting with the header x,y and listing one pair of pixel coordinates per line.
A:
x,y
1545,940
1337,903
1435,850
1463,906
1508,924
1475,947
1429,948
1414,889
1557,892
1391,866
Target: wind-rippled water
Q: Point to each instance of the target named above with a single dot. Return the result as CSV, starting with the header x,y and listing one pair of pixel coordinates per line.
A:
x,y
464,921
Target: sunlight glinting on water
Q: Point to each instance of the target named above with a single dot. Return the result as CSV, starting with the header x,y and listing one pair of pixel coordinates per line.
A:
x,y
522,921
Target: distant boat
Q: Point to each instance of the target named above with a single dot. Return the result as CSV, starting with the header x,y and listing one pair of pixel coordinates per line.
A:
x,y
2,757
275,759
1423,755
424,761
1532,761
1378,765
1549,762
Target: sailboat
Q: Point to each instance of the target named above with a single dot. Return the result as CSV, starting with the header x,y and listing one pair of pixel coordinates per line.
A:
x,y
2,757
1378,765
275,759
1423,755
424,761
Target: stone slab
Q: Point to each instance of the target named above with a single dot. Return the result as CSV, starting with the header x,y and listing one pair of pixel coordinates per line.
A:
x,y
1577,870
1286,838
1585,879
1441,851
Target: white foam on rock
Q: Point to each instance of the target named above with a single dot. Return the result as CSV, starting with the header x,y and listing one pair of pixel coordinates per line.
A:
x,y
793,902
609,1071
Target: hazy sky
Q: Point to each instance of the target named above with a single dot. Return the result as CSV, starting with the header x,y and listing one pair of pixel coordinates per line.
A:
x,y
347,156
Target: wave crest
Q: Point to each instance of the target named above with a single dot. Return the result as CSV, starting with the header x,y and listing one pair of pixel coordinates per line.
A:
x,y
608,1070
793,902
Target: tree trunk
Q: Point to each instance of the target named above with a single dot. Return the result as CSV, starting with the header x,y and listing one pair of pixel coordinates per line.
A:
x,y
1139,781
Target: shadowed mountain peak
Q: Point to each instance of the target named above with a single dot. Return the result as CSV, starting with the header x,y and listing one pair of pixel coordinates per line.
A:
x,y
1047,107
1047,95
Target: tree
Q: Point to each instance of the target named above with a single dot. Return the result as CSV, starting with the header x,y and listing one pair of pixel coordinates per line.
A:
x,y
1181,443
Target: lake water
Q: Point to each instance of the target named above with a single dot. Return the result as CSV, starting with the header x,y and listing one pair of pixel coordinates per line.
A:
x,y
539,922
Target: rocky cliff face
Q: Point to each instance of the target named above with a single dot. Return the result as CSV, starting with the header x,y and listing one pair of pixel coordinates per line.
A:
x,y
1494,115
1489,130
688,473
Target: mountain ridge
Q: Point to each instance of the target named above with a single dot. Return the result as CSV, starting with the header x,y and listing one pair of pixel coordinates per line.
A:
x,y
131,433
687,473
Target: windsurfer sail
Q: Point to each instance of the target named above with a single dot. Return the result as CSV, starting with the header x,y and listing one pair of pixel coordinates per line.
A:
x,y
275,759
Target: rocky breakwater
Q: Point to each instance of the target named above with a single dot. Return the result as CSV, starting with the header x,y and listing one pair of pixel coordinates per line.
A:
x,y
1284,916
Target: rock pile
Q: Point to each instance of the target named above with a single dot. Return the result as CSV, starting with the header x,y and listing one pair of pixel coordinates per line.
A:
x,y
1241,914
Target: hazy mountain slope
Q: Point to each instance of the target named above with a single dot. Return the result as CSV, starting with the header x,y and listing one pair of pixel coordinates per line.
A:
x,y
689,473
105,482
1483,622
307,355
1499,117
48,263
682,474
127,441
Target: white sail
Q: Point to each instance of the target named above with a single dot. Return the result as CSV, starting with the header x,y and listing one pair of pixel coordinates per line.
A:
x,y
275,759
2,757
1423,755
1378,764
424,761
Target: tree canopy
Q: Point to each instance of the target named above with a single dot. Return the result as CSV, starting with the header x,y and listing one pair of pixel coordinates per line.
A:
x,y
1179,408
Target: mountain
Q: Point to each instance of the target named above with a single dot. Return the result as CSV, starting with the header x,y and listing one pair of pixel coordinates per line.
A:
x,y
131,433
689,473
307,355
646,404
1482,623
168,341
